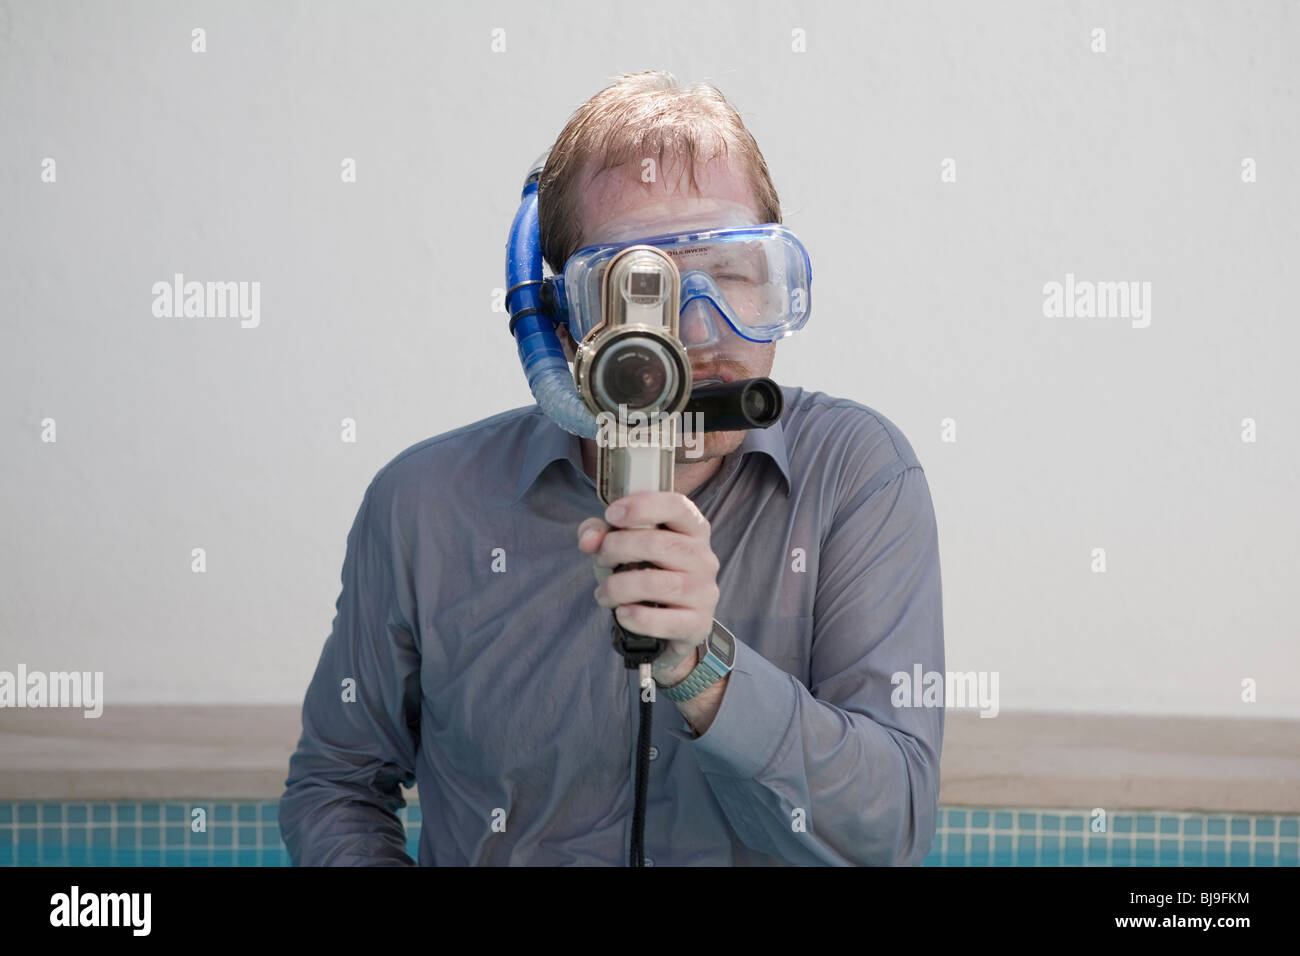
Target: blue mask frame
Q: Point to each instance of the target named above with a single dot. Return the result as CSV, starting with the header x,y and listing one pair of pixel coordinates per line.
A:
x,y
574,297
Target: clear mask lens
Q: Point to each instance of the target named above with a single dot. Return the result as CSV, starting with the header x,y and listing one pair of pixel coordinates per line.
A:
x,y
755,279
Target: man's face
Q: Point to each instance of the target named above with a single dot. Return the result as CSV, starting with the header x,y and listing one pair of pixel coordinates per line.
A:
x,y
618,207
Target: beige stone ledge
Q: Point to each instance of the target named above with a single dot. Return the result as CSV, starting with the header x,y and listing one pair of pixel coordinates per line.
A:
x,y
1014,760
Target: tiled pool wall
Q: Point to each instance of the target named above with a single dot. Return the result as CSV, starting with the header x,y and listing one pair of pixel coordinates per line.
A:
x,y
246,833
1021,837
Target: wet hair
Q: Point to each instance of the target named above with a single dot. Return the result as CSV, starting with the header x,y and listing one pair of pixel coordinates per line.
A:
x,y
639,116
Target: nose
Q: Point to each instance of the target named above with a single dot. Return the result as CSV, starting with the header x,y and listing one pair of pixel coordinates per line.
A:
x,y
698,323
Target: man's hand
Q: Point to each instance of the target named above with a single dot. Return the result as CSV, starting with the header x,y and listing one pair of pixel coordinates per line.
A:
x,y
685,581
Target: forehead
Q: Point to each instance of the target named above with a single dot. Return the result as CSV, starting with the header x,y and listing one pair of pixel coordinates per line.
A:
x,y
617,206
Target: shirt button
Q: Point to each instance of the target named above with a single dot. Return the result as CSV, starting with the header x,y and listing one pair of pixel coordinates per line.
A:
x,y
654,753
649,862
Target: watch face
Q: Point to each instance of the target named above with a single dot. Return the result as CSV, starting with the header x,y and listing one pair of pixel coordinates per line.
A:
x,y
721,646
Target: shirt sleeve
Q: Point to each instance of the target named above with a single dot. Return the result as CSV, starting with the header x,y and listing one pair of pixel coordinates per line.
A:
x,y
360,717
833,773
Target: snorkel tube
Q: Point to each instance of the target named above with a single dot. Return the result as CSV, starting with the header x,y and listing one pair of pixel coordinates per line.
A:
x,y
540,353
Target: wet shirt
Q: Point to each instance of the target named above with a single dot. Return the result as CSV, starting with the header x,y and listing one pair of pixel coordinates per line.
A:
x,y
469,658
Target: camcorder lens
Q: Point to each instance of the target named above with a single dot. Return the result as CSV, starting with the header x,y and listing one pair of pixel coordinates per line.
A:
x,y
635,379
636,375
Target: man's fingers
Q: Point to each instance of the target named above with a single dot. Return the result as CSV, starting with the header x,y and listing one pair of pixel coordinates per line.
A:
x,y
651,508
670,588
672,624
666,549
591,533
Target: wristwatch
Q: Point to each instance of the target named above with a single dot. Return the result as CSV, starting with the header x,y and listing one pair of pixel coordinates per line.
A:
x,y
718,656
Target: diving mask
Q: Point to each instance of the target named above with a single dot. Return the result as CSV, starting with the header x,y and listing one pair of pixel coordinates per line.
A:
x,y
756,279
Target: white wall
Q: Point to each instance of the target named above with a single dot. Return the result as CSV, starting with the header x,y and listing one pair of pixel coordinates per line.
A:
x,y
376,305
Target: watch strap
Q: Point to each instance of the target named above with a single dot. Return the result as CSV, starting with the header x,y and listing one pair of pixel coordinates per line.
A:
x,y
707,672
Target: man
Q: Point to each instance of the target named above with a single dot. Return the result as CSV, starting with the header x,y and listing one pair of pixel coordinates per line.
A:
x,y
470,654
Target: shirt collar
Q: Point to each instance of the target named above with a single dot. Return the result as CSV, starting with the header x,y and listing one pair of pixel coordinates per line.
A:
x,y
548,442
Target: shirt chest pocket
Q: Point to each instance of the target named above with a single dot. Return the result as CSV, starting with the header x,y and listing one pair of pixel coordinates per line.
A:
x,y
785,641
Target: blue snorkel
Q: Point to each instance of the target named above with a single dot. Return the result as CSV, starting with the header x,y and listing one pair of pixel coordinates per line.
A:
x,y
534,331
